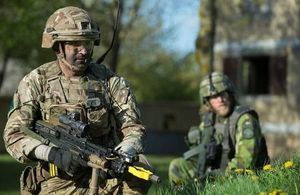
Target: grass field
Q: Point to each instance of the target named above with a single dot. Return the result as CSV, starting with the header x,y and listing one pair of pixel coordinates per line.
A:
x,y
10,172
279,178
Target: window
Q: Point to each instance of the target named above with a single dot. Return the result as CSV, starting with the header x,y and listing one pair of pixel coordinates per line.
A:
x,y
257,75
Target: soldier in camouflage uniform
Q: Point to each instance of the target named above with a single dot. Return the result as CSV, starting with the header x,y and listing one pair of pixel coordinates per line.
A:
x,y
73,83
235,130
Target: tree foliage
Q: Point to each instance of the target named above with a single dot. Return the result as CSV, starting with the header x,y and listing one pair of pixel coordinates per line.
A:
x,y
23,25
137,54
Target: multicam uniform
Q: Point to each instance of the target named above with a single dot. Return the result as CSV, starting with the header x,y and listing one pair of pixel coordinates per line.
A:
x,y
102,99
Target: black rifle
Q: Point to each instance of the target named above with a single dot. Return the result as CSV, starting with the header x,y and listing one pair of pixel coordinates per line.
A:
x,y
208,146
72,135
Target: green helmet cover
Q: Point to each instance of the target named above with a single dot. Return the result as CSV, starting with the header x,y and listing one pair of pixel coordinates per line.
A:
x,y
213,84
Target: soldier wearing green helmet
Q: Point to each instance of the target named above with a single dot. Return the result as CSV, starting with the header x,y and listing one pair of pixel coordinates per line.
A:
x,y
229,136
73,83
213,84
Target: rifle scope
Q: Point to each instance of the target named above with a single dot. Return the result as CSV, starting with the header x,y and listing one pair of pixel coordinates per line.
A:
x,y
76,125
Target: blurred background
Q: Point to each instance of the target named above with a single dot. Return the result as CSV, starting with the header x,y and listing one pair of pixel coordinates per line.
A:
x,y
164,48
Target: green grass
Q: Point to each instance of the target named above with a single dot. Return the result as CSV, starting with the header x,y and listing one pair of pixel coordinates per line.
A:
x,y
279,178
161,164
10,175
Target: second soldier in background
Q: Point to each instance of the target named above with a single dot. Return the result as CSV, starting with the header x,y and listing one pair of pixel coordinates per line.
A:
x,y
229,136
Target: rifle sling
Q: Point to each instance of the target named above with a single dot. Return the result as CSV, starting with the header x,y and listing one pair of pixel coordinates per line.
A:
x,y
192,152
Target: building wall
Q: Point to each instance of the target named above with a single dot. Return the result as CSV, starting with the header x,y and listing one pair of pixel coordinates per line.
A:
x,y
257,32
167,123
271,33
248,20
169,116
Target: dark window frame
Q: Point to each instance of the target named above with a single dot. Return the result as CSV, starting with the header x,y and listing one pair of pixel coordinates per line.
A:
x,y
258,74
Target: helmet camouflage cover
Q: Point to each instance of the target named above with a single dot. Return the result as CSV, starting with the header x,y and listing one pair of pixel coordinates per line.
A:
x,y
213,84
70,24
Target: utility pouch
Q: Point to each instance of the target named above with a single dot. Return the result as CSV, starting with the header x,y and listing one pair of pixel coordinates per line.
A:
x,y
28,182
193,137
31,178
211,149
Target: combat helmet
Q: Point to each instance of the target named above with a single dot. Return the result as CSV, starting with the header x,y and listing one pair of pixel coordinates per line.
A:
x,y
70,24
213,84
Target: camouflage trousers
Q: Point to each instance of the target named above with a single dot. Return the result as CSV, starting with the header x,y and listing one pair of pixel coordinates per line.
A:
x,y
57,185
181,171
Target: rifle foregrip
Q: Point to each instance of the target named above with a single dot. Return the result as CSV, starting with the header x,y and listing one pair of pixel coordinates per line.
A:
x,y
98,161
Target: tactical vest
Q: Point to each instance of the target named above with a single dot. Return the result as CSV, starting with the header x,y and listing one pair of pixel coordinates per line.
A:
x,y
224,133
262,156
87,95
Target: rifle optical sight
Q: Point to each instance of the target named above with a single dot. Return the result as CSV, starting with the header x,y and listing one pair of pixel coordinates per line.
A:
x,y
79,127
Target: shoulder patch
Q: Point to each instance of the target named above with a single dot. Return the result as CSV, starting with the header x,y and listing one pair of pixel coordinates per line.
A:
x,y
248,130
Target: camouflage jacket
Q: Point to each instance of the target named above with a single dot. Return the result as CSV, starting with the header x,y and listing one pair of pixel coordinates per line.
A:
x,y
239,150
104,100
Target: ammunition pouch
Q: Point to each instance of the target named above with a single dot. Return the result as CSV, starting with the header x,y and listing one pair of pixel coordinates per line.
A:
x,y
193,137
211,149
31,179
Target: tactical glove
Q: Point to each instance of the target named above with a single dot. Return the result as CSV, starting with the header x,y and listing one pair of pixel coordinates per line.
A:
x,y
64,160
131,145
126,149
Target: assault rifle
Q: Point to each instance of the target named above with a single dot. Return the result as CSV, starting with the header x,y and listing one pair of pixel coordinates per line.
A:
x,y
208,146
72,135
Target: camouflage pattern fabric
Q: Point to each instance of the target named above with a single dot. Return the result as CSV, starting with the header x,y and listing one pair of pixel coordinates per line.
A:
x,y
213,84
245,150
128,185
247,143
103,99
181,171
70,24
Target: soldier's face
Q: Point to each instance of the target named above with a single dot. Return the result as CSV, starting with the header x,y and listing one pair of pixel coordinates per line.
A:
x,y
78,53
221,103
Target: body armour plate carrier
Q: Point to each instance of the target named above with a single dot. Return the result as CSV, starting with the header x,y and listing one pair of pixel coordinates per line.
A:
x,y
87,97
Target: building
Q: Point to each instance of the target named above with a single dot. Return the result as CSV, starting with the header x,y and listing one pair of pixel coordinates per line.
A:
x,y
257,45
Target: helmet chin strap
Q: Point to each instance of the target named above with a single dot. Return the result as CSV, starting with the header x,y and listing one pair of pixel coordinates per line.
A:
x,y
62,58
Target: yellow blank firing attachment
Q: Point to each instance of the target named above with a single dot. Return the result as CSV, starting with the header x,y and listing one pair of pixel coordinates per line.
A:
x,y
143,174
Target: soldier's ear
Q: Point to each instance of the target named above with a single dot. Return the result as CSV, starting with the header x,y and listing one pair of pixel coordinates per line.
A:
x,y
55,47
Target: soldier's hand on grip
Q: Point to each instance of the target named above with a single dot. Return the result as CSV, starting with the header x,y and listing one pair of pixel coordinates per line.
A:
x,y
64,160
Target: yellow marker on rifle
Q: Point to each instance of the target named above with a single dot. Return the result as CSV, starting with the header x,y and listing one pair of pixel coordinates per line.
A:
x,y
143,174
